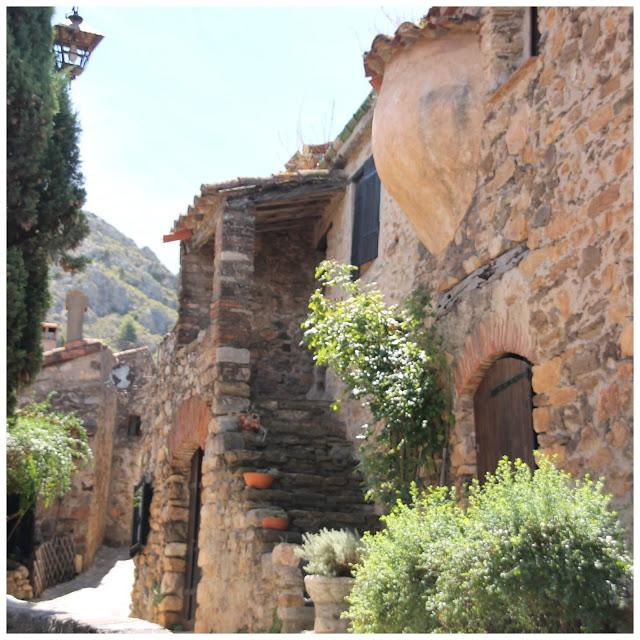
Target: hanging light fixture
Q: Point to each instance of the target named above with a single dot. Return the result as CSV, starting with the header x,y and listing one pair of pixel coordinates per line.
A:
x,y
72,45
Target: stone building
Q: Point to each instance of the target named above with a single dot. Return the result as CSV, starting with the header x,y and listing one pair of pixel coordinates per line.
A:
x,y
103,389
495,164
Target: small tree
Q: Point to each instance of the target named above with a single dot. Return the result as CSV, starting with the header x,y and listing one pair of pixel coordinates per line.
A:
x,y
43,450
387,357
127,334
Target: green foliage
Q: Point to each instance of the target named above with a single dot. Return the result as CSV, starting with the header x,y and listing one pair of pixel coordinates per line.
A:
x,y
532,552
127,334
44,184
397,573
330,552
388,357
44,448
542,554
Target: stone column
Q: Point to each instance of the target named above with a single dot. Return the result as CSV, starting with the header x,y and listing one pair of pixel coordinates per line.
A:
x,y
231,308
226,554
76,304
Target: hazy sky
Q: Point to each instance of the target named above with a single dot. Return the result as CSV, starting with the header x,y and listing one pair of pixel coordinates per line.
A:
x,y
176,97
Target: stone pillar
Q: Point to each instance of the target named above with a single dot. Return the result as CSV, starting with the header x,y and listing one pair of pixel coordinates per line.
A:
x,y
76,304
231,308
225,597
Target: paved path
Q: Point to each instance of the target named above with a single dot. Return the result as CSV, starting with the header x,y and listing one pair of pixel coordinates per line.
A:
x,y
103,591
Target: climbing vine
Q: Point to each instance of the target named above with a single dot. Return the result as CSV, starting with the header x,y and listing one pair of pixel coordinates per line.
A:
x,y
43,450
387,357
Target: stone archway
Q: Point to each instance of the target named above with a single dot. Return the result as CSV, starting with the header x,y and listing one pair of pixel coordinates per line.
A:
x,y
493,339
186,440
189,431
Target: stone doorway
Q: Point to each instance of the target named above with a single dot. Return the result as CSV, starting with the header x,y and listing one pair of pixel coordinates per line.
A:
x,y
192,571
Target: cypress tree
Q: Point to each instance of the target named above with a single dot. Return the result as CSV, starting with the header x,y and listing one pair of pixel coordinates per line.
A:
x,y
44,186
127,335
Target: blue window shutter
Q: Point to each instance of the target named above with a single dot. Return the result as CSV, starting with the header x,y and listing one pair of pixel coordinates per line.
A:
x,y
366,222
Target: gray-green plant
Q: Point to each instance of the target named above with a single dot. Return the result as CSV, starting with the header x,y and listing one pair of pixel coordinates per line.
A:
x,y
532,552
44,449
542,553
397,573
330,552
388,357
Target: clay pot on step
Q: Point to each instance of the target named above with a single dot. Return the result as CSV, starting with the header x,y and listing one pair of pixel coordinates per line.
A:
x,y
275,522
257,479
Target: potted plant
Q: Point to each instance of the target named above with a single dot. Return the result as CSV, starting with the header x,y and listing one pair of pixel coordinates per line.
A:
x,y
329,555
260,479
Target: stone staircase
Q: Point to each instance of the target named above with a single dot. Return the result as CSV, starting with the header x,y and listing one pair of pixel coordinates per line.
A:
x,y
318,485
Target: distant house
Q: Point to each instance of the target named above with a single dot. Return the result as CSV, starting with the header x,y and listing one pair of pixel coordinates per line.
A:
x,y
103,389
493,166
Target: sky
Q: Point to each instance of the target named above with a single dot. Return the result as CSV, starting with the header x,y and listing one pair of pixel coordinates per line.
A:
x,y
174,97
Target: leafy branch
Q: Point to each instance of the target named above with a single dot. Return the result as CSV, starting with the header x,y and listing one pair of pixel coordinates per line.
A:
x,y
389,358
44,448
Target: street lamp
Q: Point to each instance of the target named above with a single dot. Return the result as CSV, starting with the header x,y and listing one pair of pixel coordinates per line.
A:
x,y
73,46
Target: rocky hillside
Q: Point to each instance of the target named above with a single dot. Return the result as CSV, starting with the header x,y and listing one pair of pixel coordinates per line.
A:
x,y
125,286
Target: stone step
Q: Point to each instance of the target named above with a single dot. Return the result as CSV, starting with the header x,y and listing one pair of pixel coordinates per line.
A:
x,y
301,499
310,520
275,536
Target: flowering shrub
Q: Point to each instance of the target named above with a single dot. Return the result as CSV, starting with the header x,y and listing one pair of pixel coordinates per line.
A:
x,y
43,449
387,357
396,577
532,552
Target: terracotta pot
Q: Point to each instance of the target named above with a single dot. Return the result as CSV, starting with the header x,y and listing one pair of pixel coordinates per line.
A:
x,y
328,595
258,479
274,522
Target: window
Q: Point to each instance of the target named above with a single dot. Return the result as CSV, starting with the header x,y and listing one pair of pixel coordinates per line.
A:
x,y
366,218
133,426
534,32
142,496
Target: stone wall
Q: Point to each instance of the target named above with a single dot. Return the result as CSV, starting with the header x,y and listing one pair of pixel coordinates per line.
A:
x,y
180,374
541,264
194,295
283,282
80,377
18,584
555,178
129,375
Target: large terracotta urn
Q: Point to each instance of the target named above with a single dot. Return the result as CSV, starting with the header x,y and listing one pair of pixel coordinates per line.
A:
x,y
427,122
328,595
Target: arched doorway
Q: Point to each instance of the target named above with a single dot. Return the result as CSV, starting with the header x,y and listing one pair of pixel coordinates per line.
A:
x,y
503,407
192,571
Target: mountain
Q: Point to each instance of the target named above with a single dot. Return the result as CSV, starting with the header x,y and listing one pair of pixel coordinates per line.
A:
x,y
125,286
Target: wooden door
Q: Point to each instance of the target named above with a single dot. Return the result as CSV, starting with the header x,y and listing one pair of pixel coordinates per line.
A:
x,y
503,415
192,571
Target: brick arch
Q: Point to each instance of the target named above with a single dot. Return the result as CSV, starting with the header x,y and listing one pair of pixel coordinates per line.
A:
x,y
492,339
189,431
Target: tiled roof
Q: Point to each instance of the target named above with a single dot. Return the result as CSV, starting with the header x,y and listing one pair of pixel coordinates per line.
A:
x,y
438,22
212,194
71,351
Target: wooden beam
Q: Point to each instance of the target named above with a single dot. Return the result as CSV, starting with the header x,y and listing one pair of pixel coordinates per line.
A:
x,y
182,234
